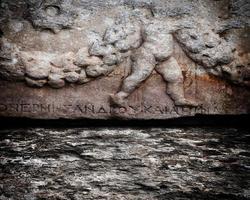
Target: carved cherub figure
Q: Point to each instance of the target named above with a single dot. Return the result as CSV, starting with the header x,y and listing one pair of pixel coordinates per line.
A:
x,y
147,43
151,47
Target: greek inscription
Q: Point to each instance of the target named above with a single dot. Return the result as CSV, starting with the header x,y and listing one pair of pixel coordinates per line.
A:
x,y
102,110
3,107
84,109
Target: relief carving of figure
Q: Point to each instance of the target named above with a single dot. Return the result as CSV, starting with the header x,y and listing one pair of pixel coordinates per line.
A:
x,y
148,44
151,49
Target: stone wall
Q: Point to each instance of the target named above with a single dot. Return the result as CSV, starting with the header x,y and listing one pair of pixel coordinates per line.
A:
x,y
129,59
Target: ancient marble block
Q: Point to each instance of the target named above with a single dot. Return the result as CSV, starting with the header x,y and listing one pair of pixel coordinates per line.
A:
x,y
126,59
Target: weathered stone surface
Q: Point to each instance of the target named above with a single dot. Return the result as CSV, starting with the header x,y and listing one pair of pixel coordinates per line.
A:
x,y
36,64
56,81
84,61
124,163
205,47
53,15
72,77
177,58
10,70
35,83
240,7
83,77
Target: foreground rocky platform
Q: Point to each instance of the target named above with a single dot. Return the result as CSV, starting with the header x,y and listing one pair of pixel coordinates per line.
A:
x,y
124,163
126,59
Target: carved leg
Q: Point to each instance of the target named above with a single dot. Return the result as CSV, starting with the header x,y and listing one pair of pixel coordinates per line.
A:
x,y
143,64
171,72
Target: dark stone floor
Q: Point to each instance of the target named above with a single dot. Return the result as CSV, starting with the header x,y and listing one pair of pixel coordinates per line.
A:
x,y
125,164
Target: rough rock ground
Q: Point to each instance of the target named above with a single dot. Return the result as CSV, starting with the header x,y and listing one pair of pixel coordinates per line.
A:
x,y
120,58
125,163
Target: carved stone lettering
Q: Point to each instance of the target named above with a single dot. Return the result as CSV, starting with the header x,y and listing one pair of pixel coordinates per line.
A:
x,y
126,59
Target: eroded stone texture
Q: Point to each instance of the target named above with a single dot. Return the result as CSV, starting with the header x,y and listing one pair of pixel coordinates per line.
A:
x,y
8,61
125,163
196,47
54,15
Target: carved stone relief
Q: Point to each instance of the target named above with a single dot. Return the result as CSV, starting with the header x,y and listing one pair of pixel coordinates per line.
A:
x,y
55,44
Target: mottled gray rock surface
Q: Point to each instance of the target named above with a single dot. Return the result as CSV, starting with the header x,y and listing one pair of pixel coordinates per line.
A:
x,y
129,59
124,163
